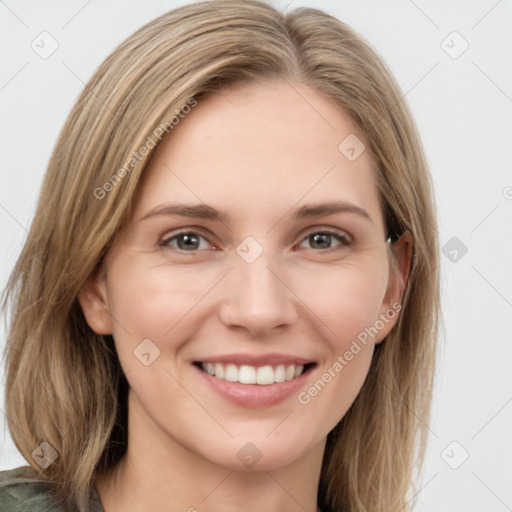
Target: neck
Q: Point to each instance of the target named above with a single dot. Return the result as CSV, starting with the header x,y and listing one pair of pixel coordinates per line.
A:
x,y
158,473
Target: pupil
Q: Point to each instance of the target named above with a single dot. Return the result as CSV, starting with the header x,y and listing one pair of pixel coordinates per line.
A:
x,y
189,241
321,238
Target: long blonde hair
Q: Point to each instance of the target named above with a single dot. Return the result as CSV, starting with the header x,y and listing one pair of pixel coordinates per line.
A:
x,y
64,382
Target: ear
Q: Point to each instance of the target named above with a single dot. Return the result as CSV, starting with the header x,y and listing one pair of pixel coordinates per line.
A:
x,y
399,273
94,302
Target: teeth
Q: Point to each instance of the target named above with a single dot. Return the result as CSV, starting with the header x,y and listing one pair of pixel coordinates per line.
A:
x,y
265,375
245,374
280,374
219,370
231,373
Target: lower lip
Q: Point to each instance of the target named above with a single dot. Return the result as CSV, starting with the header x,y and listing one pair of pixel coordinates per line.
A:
x,y
255,396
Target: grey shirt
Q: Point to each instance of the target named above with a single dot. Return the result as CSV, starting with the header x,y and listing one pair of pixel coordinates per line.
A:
x,y
21,491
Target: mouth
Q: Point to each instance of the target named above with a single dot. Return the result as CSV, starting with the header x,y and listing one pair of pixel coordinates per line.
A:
x,y
261,375
255,380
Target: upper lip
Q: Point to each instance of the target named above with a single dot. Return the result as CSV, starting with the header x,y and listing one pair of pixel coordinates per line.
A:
x,y
256,359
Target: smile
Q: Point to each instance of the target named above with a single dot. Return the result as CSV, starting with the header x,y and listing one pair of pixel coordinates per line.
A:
x,y
247,374
254,380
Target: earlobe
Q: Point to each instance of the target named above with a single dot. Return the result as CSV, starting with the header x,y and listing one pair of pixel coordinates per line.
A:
x,y
402,250
94,302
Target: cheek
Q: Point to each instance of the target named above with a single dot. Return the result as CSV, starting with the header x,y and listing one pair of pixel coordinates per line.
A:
x,y
153,303
150,301
347,304
346,299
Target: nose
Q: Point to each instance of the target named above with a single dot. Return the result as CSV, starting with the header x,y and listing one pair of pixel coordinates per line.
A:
x,y
258,298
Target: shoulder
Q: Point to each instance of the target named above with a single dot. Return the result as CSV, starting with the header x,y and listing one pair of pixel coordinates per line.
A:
x,y
22,491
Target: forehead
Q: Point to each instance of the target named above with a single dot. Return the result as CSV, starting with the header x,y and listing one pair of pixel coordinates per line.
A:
x,y
260,148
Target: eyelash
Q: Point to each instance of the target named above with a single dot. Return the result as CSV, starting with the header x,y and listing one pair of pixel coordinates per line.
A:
x,y
345,241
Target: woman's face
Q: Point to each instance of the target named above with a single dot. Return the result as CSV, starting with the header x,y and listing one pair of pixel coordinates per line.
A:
x,y
256,251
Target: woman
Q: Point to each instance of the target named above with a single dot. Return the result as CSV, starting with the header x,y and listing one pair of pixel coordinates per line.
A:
x,y
228,296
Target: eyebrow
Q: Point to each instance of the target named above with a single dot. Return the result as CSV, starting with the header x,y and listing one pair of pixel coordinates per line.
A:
x,y
203,211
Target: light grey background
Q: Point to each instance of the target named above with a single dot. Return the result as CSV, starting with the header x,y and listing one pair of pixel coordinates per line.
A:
x,y
463,107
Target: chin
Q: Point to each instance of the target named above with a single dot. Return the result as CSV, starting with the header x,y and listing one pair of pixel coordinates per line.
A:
x,y
256,453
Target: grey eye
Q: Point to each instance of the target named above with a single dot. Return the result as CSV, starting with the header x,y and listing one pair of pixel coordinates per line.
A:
x,y
186,241
324,240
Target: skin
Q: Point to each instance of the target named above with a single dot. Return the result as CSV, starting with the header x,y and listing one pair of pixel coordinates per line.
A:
x,y
256,152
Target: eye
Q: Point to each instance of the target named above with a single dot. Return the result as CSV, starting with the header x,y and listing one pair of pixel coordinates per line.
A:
x,y
186,241
190,241
323,239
